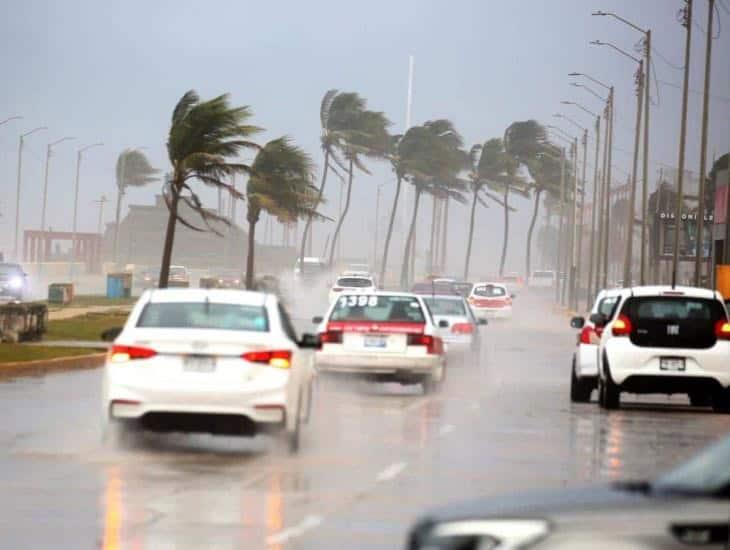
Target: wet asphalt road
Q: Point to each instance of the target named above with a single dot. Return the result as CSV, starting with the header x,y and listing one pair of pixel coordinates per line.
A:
x,y
373,458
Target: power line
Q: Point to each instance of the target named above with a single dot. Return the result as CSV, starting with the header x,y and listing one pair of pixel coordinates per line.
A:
x,y
664,58
724,99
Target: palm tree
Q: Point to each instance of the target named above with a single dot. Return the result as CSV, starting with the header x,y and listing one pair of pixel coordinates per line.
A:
x,y
281,185
333,116
133,170
398,164
366,135
438,159
204,137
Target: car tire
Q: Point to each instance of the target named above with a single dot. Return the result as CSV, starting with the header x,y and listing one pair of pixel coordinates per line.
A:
x,y
721,401
609,395
293,437
580,390
700,400
431,382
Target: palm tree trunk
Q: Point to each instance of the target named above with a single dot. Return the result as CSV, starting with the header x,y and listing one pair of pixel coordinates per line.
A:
x,y
404,273
505,239
528,258
120,194
308,224
471,235
393,211
342,216
432,244
169,239
250,256
445,229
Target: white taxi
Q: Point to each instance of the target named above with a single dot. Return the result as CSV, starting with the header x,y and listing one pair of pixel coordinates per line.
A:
x,y
384,336
352,283
211,361
491,300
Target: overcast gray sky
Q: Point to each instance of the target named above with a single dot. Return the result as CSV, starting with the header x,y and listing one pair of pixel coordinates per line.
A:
x,y
112,71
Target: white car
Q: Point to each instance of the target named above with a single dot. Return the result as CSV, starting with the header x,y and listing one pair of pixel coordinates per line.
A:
x,y
541,279
584,368
211,361
667,340
491,300
353,284
457,325
384,336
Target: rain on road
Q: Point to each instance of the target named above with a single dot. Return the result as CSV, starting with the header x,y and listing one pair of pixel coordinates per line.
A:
x,y
372,460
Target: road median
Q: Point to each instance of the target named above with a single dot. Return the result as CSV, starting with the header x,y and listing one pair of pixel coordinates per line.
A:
x,y
39,367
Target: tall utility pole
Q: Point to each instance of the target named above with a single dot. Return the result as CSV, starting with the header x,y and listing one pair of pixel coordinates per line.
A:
x,y
647,108
49,153
559,268
607,192
79,155
631,215
563,251
21,141
687,23
703,147
101,203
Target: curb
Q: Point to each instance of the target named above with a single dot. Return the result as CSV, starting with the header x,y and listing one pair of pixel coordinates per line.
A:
x,y
59,364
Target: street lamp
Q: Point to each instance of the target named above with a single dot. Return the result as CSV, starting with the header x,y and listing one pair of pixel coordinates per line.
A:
x,y
631,214
49,153
647,105
17,191
589,90
79,155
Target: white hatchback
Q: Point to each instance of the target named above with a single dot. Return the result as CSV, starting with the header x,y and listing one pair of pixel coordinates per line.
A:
x,y
352,283
384,336
491,300
211,361
667,340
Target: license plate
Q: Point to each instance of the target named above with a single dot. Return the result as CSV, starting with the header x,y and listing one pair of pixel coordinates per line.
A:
x,y
199,363
378,342
672,363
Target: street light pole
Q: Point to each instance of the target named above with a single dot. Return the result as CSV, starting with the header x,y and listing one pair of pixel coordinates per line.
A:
x,y
79,155
49,153
607,190
21,141
703,147
682,140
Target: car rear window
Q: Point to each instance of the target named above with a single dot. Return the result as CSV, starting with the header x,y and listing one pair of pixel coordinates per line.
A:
x,y
489,291
673,322
354,282
463,289
434,288
445,306
203,315
381,309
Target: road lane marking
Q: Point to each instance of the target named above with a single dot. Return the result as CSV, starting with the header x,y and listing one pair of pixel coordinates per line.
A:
x,y
446,429
391,472
308,523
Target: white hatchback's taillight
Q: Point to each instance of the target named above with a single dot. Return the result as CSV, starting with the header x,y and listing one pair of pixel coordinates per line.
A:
x,y
274,358
722,330
124,354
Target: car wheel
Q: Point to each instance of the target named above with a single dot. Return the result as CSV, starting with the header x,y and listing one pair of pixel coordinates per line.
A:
x,y
721,401
609,395
293,436
580,390
432,382
700,400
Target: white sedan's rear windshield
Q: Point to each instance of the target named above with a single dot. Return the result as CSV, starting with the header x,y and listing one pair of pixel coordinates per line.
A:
x,y
489,291
381,309
354,282
197,315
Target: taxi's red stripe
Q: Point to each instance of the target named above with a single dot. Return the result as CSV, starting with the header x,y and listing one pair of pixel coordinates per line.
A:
x,y
383,328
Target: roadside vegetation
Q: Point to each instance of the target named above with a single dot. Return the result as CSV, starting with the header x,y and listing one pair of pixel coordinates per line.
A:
x,y
86,327
16,353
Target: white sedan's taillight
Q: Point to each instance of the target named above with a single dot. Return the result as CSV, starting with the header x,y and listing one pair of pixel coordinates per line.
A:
x,y
124,354
274,358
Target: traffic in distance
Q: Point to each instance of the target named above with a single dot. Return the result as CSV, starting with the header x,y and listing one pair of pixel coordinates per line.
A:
x,y
231,362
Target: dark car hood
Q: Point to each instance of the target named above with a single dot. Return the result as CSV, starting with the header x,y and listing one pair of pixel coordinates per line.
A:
x,y
547,503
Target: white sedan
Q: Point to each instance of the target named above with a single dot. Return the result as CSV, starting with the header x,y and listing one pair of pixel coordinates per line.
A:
x,y
210,361
384,336
491,300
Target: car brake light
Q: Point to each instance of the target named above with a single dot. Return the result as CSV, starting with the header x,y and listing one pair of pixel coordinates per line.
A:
x,y
337,289
434,345
123,354
621,326
585,335
462,328
274,358
330,337
722,330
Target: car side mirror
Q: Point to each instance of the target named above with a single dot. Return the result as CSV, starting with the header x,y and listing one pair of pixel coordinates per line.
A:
x,y
482,322
110,334
309,341
577,322
317,320
599,319
443,323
